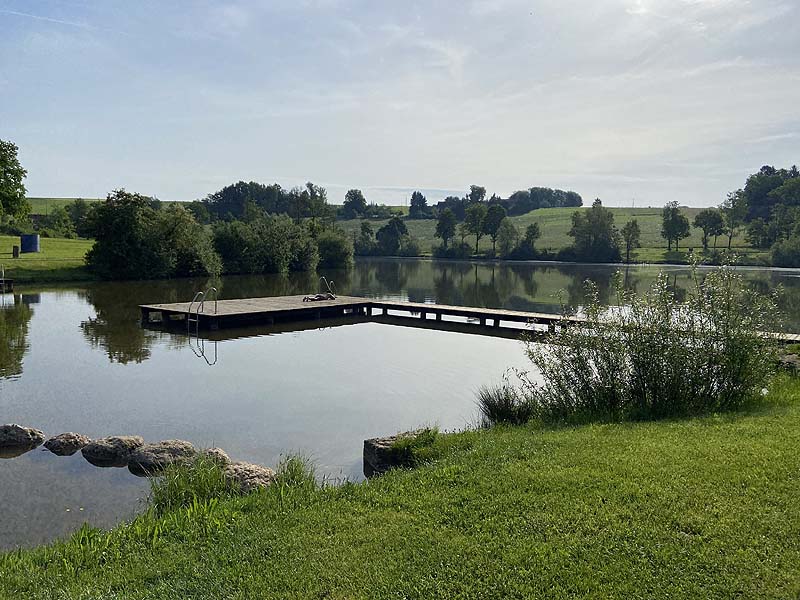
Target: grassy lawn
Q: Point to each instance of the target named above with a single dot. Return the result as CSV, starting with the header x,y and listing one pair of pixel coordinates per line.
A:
x,y
59,260
555,224
698,508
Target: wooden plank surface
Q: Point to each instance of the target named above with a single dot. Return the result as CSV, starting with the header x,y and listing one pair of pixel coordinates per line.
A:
x,y
251,306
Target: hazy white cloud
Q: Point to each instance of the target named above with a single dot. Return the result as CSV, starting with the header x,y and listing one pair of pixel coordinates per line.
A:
x,y
652,99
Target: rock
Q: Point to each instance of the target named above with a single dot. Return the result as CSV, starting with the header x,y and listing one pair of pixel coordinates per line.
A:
x,y
66,444
112,451
379,455
16,439
151,459
248,477
790,362
218,455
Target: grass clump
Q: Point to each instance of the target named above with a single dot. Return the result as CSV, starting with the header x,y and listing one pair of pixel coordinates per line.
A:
x,y
504,404
416,448
181,485
657,355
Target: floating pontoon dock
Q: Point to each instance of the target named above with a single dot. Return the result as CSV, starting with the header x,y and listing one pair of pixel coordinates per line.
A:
x,y
222,314
284,310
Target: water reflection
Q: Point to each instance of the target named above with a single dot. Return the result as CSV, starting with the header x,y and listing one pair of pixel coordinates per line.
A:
x,y
15,316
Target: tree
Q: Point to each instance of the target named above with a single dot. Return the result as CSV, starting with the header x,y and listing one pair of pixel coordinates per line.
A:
x,y
354,205
734,211
595,237
389,236
80,213
317,201
631,234
446,226
527,247
674,225
491,223
476,194
476,215
711,223
365,243
136,239
419,206
13,202
507,236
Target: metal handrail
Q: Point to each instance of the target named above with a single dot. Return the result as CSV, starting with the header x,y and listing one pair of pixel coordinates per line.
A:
x,y
200,296
205,295
329,286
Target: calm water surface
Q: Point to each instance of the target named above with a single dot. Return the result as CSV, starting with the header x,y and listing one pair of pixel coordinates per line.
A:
x,y
74,358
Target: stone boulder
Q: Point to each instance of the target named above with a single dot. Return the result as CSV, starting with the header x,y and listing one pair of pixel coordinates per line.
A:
x,y
379,455
248,477
114,451
151,459
16,439
217,455
66,444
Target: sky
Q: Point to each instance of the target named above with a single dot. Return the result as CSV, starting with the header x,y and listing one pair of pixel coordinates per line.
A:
x,y
637,102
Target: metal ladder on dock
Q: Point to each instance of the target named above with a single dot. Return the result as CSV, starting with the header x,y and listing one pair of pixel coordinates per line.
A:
x,y
199,300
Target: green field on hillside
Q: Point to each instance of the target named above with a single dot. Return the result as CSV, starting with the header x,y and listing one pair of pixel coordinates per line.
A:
x,y
44,206
695,508
59,260
555,224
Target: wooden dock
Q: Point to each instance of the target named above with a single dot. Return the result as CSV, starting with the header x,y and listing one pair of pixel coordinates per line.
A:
x,y
283,311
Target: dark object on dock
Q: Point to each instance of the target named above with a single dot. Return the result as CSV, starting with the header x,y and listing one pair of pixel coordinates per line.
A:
x,y
319,297
15,252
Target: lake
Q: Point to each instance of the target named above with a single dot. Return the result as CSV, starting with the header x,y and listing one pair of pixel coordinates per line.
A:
x,y
75,358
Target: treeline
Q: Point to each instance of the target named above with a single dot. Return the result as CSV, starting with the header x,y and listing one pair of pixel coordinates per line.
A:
x,y
138,237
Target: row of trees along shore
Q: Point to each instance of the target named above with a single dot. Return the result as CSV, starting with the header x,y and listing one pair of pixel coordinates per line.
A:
x,y
250,227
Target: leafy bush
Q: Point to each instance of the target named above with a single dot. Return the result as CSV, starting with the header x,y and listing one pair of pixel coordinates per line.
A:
x,y
455,250
335,250
137,239
652,356
268,244
409,246
504,404
786,253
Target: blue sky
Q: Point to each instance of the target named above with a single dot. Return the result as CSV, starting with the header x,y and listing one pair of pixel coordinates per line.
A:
x,y
645,100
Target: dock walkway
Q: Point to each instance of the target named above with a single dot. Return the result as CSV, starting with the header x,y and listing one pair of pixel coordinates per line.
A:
x,y
223,314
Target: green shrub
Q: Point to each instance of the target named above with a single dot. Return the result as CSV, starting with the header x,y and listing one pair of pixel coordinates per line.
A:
x,y
454,250
335,250
786,253
138,239
267,244
652,356
409,246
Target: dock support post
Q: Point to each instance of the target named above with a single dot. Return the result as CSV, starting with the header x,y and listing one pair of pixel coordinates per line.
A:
x,y
369,311
423,315
438,316
384,311
497,323
145,316
483,321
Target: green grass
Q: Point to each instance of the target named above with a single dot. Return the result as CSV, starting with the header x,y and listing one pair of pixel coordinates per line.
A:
x,y
699,508
555,224
59,260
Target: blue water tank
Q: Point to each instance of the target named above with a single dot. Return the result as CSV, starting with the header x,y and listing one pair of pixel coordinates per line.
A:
x,y
29,243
